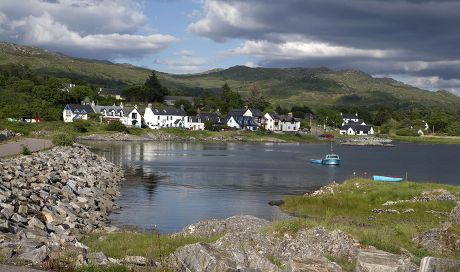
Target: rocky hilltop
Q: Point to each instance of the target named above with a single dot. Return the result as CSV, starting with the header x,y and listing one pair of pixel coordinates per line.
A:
x,y
48,199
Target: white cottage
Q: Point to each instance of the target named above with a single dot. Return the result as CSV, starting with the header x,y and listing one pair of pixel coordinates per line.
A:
x,y
126,115
194,123
289,123
74,112
156,118
272,121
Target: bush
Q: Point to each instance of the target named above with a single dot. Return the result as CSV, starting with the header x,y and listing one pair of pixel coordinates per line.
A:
x,y
117,126
453,129
63,139
81,126
25,150
407,132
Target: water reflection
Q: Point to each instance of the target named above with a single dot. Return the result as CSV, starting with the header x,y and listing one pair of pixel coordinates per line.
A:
x,y
175,184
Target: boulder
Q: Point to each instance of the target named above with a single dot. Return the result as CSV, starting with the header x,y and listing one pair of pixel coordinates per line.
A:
x,y
320,264
202,257
431,264
135,260
35,256
455,214
97,258
373,260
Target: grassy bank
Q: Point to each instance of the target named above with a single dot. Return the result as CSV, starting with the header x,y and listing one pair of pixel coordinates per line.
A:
x,y
350,207
427,139
48,129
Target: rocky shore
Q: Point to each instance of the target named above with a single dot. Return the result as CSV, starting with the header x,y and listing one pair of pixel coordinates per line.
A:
x,y
48,199
368,141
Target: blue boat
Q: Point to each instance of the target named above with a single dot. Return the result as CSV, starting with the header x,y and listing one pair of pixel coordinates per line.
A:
x,y
329,159
387,179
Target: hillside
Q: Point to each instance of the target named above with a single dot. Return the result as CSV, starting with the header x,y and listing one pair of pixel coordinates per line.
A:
x,y
287,87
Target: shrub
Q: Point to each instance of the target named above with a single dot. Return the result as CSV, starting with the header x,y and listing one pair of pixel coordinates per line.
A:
x,y
454,129
117,126
81,126
25,150
63,139
407,132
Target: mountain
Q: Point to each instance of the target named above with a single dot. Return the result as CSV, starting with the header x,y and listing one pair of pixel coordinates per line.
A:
x,y
313,87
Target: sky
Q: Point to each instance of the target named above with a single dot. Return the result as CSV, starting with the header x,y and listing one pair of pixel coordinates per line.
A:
x,y
413,41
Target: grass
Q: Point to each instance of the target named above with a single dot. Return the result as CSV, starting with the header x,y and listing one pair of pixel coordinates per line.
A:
x,y
427,139
150,245
349,210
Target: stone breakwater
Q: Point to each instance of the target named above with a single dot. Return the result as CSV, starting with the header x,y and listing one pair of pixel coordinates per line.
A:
x,y
48,199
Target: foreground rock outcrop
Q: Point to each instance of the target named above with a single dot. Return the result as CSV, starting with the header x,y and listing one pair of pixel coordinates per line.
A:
x,y
48,199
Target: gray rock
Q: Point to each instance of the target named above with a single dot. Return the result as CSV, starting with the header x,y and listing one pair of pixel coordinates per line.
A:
x,y
431,264
202,257
16,218
372,260
35,256
455,214
312,264
135,260
97,258
35,223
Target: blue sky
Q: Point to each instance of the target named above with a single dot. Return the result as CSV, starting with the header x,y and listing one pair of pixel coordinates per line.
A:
x,y
415,42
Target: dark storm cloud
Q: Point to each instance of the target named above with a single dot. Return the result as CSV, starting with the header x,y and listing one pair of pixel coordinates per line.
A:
x,y
342,34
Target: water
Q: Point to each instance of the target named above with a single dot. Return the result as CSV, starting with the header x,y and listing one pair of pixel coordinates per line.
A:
x,y
171,185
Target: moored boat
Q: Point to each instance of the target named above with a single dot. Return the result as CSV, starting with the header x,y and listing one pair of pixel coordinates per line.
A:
x,y
329,159
387,179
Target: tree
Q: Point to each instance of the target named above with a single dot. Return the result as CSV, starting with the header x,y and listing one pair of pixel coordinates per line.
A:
x,y
188,107
301,112
440,120
329,117
281,110
256,98
230,99
453,129
382,116
154,91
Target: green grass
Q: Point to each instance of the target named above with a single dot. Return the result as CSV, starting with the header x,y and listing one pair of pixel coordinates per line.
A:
x,y
427,139
349,210
150,245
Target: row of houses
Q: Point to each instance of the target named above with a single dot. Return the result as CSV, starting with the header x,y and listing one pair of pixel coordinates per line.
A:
x,y
156,118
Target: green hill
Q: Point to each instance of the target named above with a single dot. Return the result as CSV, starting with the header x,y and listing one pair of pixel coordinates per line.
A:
x,y
287,87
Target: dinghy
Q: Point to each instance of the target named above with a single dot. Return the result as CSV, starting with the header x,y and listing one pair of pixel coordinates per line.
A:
x,y
387,179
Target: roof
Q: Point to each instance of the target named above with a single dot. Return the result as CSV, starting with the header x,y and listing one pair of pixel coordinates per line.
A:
x,y
365,128
171,97
273,115
349,115
287,118
236,112
210,116
77,108
244,121
169,111
256,113
360,121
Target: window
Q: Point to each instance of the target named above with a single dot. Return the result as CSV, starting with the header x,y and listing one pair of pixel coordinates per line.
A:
x,y
68,113
134,115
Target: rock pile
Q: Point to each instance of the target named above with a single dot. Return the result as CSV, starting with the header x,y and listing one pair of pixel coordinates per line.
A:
x,y
247,246
49,198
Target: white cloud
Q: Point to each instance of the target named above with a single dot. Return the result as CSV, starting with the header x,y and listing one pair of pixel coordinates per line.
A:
x,y
89,28
302,49
432,83
187,63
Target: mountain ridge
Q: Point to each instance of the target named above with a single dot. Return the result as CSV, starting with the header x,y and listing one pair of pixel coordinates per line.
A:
x,y
284,86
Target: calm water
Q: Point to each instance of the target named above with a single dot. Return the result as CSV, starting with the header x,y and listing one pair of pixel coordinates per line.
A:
x,y
171,185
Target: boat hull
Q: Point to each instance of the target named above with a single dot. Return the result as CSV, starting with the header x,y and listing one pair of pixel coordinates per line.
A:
x,y
330,162
316,161
386,179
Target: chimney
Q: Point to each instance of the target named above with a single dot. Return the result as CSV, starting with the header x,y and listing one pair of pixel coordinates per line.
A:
x,y
182,107
290,114
93,103
135,106
121,105
149,105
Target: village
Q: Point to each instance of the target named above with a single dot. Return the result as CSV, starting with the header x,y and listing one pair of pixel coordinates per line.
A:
x,y
170,117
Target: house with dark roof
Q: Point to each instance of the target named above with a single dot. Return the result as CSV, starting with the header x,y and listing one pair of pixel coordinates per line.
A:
x,y
256,115
272,121
356,129
156,118
129,116
241,122
349,117
213,117
74,112
288,123
171,100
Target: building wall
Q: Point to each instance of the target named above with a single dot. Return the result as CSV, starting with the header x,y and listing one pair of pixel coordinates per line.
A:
x,y
288,126
232,123
154,121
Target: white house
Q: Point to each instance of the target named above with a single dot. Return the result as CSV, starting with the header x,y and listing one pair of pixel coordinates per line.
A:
x,y
256,115
165,118
272,121
73,112
194,123
356,129
289,123
352,125
241,122
127,116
